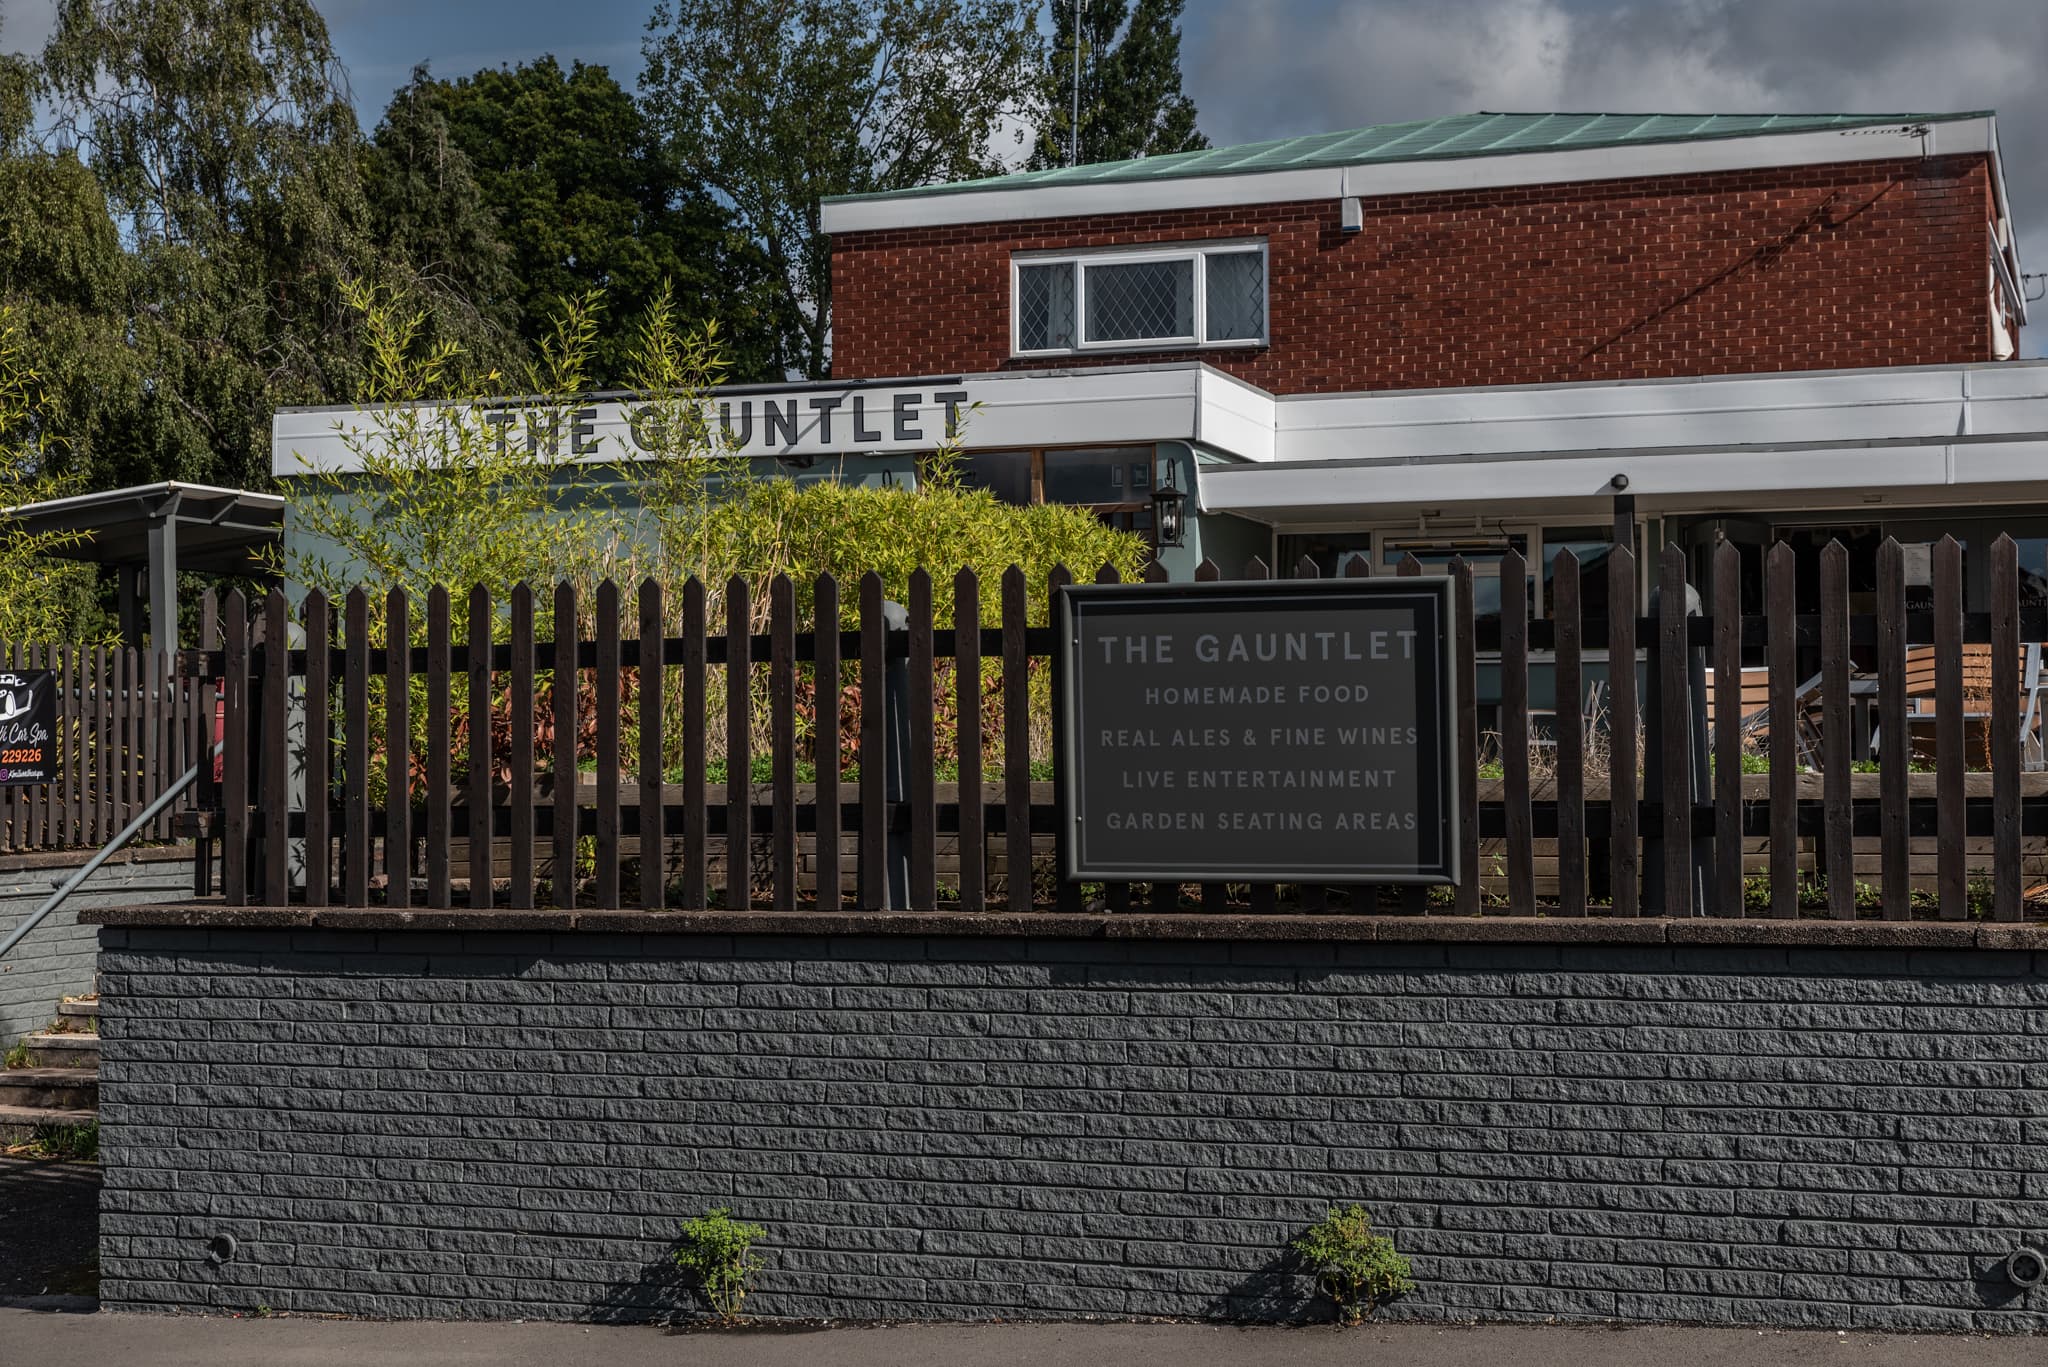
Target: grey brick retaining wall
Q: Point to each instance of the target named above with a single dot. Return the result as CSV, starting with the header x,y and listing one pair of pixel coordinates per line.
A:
x,y
495,1125
58,957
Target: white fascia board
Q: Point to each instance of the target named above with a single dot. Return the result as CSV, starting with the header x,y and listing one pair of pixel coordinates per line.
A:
x,y
1931,403
1259,491
1236,418
1079,201
1110,405
1762,151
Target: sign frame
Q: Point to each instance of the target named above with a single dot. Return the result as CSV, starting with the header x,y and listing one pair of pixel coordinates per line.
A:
x,y
38,715
1071,602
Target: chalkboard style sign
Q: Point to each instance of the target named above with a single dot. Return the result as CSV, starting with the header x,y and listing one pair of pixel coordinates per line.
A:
x,y
1268,731
28,727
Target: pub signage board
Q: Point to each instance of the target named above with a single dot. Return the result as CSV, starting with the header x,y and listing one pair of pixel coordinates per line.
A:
x,y
28,727
1263,731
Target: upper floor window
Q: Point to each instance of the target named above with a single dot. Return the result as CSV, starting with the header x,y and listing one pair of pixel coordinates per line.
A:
x,y
1190,295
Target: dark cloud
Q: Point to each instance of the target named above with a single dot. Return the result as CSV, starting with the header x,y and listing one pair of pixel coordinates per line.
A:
x,y
1270,68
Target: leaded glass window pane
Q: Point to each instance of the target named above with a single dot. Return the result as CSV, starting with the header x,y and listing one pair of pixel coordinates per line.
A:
x,y
1045,306
1138,300
1237,296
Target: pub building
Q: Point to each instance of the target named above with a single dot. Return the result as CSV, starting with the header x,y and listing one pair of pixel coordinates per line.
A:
x,y
1446,338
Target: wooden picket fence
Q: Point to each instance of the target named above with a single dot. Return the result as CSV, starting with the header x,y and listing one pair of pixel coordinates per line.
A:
x,y
128,726
1642,834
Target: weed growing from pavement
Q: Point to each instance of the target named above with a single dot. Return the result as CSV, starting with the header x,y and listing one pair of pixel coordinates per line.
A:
x,y
719,1252
1356,1268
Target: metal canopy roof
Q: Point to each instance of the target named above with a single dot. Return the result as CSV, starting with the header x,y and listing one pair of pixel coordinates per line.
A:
x,y
219,531
1459,135
150,533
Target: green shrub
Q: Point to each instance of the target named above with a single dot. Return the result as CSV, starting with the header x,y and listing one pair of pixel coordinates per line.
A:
x,y
1356,1268
719,1252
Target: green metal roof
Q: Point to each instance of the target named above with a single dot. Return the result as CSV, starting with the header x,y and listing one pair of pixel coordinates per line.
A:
x,y
1458,135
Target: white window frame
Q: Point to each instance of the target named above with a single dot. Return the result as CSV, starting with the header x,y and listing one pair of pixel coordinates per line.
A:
x,y
1196,253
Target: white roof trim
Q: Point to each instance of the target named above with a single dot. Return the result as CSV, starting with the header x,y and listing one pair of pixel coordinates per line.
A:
x,y
1874,143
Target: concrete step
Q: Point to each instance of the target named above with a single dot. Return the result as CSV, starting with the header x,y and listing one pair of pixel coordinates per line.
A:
x,y
48,1049
78,1013
19,1124
48,1089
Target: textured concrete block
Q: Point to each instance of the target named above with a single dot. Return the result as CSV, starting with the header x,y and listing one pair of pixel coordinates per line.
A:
x,y
489,1125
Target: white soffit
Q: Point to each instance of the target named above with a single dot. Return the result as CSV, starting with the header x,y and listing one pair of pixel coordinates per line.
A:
x,y
1876,143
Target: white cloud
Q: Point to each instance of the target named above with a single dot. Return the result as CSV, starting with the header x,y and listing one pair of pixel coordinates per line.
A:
x,y
1270,68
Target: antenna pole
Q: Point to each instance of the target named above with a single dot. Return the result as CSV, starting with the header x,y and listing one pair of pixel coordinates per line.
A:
x,y
1074,124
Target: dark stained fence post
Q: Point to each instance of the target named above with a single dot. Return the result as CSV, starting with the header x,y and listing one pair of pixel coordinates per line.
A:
x,y
782,746
480,829
611,703
874,744
1017,874
1835,731
2005,752
105,764
973,844
397,750
1466,670
1066,894
440,825
1781,611
1624,859
356,839
1727,722
234,854
921,727
825,678
1567,608
319,762
519,690
1949,756
1671,760
739,753
1895,746
205,722
562,877
652,826
696,892
276,794
1514,732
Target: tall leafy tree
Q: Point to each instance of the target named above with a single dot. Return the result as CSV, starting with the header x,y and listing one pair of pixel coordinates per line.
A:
x,y
775,104
430,216
582,196
1130,98
221,134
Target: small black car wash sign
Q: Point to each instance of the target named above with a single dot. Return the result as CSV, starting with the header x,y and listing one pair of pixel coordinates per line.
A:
x,y
28,727
1263,731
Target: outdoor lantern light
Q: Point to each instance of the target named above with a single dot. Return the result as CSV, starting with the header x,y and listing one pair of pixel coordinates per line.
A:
x,y
1169,507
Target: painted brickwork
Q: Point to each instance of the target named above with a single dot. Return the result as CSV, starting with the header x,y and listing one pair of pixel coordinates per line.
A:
x,y
1821,267
59,957
493,1125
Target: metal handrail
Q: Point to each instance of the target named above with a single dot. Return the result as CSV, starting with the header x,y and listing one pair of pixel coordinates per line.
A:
x,y
108,850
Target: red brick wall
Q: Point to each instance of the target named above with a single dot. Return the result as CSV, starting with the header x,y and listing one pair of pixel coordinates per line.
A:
x,y
1818,267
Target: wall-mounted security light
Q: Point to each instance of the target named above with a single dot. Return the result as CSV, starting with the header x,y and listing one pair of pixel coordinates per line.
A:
x,y
1618,483
1350,214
